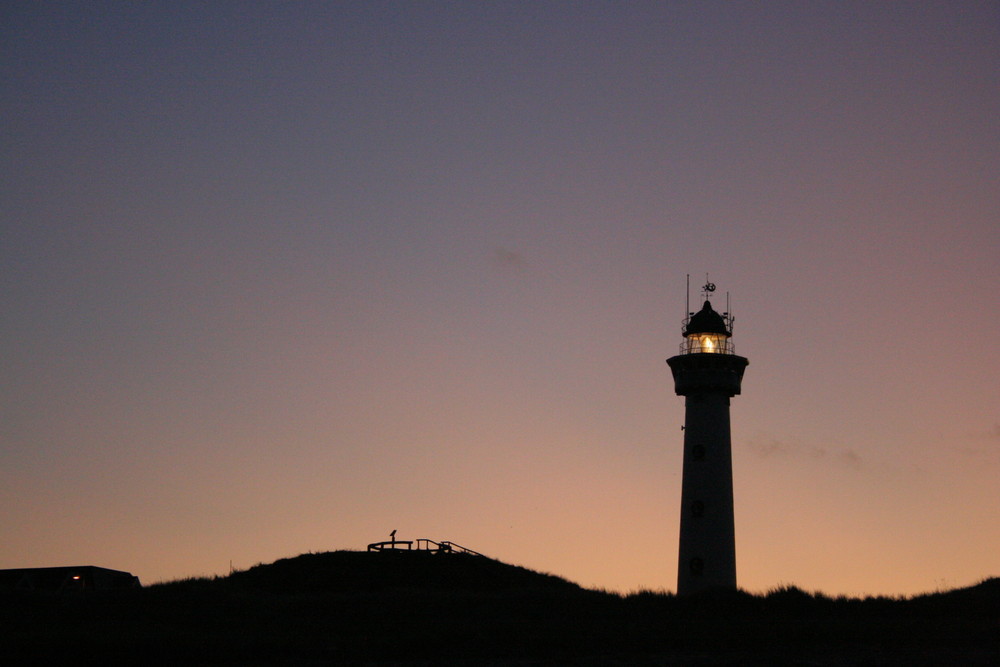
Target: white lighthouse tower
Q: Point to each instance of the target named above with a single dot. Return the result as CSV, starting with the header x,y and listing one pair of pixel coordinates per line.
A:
x,y
707,373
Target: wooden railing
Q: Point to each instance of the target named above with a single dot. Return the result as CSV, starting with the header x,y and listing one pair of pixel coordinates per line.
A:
x,y
444,547
423,544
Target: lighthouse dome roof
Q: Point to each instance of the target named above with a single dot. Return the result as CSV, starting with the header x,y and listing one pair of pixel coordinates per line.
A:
x,y
707,321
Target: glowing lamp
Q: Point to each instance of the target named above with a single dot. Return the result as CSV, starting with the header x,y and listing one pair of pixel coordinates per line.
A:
x,y
708,332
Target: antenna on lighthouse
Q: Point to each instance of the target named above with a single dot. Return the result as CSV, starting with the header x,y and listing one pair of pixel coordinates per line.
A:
x,y
687,297
728,315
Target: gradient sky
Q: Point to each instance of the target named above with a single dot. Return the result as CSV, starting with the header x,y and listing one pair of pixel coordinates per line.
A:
x,y
283,277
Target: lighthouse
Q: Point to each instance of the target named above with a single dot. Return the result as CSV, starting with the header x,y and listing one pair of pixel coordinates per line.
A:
x,y
707,373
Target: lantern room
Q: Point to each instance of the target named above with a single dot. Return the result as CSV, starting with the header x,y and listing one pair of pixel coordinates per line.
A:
x,y
708,332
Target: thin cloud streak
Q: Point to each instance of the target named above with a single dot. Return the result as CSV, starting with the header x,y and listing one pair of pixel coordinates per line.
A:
x,y
774,449
509,258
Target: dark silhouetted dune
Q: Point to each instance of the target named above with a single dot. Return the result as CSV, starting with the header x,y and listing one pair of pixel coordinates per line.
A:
x,y
374,572
418,608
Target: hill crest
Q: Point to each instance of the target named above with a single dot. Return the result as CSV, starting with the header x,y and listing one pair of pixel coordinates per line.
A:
x,y
374,572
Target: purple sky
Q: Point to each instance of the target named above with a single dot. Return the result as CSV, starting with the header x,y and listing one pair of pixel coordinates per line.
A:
x,y
281,277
